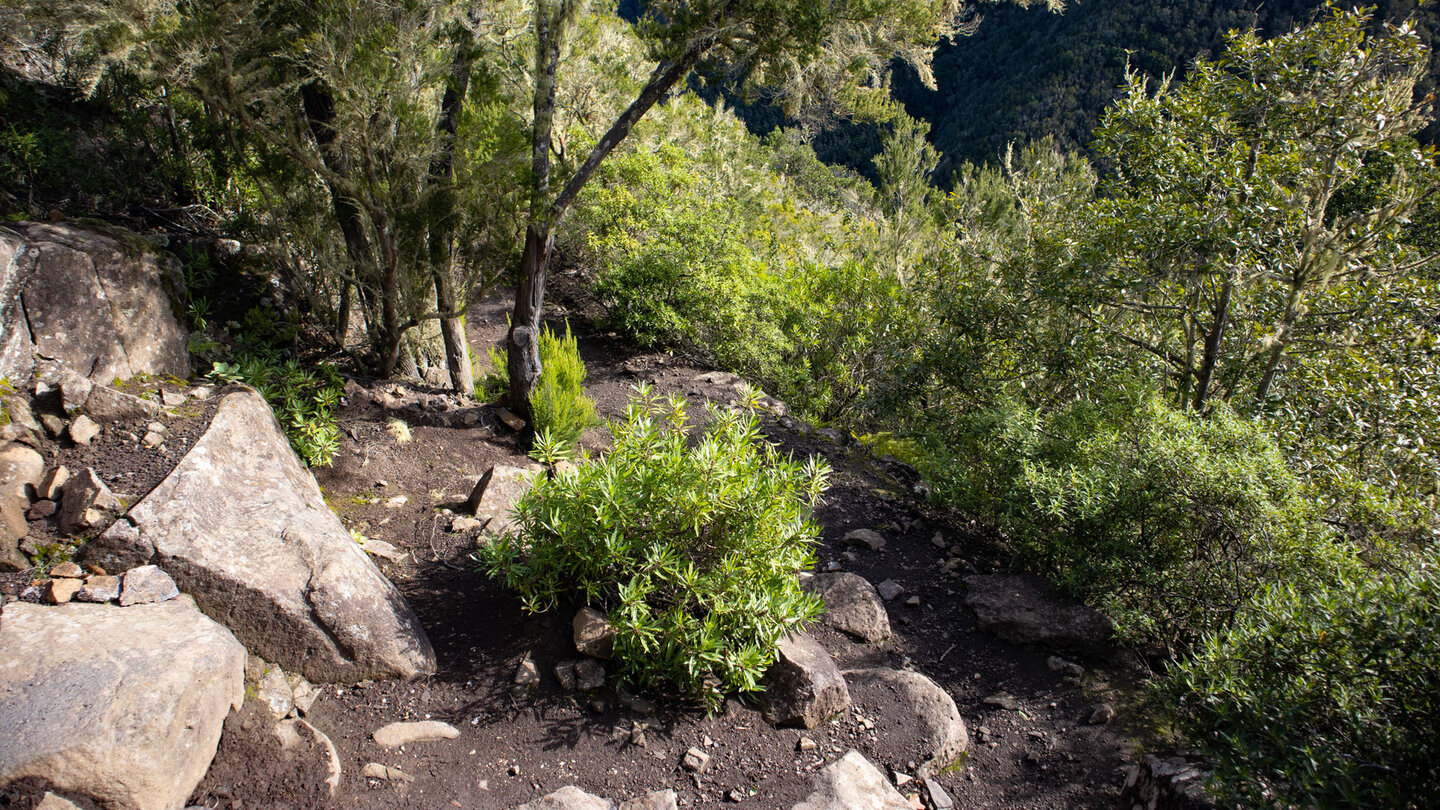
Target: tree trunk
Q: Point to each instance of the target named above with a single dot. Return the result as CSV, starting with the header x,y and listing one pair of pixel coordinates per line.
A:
x,y
523,341
449,301
1212,344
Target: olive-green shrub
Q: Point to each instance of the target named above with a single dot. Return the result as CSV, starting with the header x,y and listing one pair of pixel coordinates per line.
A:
x,y
1166,520
559,404
1324,698
693,550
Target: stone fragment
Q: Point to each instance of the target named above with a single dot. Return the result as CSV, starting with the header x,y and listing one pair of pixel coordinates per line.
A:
x,y
41,510
60,591
292,735
939,799
99,588
374,770
87,504
495,494
52,486
146,584
864,538
83,430
273,692
913,601
172,399
803,687
302,692
242,525
53,802
851,605
153,440
1025,609
565,674
464,524
938,541
659,800
384,550
1067,668
695,760
68,570
74,391
852,783
805,744
1102,713
589,674
526,674
124,707
110,405
594,634
568,798
889,589
398,734
1002,700
930,713
54,425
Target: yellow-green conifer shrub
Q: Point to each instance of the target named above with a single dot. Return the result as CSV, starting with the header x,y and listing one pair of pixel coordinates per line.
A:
x,y
559,405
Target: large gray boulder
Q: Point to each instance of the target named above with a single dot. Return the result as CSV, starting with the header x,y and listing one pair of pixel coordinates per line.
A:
x,y
569,798
77,298
851,605
915,707
124,705
1025,609
242,526
803,687
852,783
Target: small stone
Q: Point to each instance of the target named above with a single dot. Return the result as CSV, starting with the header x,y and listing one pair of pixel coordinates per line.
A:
x,y
54,802
805,744
463,524
202,393
67,570
87,503
83,430
156,427
41,510
594,634
513,770
302,693
172,399
396,502
833,566
735,796
865,538
850,557
1003,700
902,779
398,734
274,693
913,601
1068,668
695,760
99,588
599,706
565,674
146,584
383,550
1102,714
589,674
60,591
889,589
153,440
53,484
374,770
54,425
637,735
527,674
511,421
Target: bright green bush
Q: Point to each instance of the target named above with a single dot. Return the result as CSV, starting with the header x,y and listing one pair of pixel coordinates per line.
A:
x,y
559,404
692,550
304,401
1327,698
1165,520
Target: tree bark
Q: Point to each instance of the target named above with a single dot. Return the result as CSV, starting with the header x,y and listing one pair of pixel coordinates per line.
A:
x,y
1212,344
449,301
1283,338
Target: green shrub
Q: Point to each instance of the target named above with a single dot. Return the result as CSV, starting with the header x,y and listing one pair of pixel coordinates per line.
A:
x,y
561,409
304,401
1326,698
1165,520
693,551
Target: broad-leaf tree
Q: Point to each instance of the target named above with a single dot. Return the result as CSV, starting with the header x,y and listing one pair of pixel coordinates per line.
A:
x,y
811,55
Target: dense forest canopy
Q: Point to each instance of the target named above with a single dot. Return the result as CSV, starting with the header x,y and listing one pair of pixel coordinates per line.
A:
x,y
1168,331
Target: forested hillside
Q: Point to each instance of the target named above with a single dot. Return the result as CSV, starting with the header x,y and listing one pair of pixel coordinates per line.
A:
x,y
1172,343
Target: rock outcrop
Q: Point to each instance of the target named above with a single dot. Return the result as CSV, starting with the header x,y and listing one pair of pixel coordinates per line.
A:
x,y
73,297
124,705
242,526
1025,609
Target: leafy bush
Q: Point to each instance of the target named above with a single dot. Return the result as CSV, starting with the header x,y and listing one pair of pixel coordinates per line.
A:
x,y
561,409
1165,520
303,401
1326,698
693,551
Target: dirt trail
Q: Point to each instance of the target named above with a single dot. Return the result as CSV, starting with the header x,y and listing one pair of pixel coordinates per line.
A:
x,y
516,747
